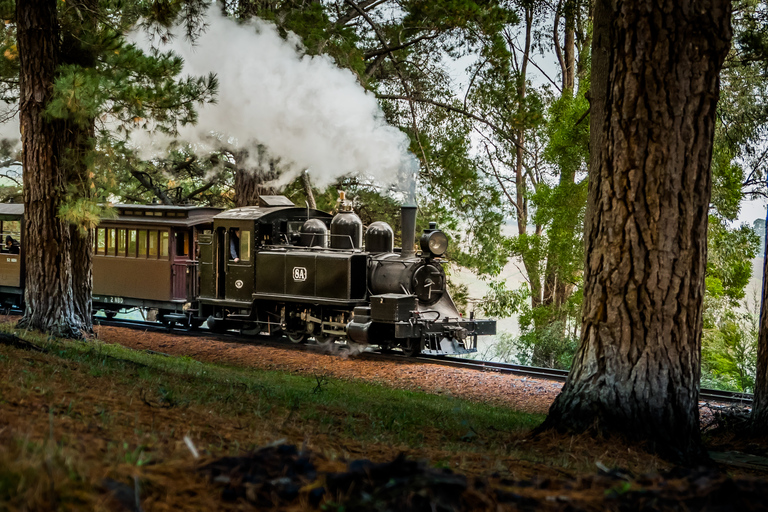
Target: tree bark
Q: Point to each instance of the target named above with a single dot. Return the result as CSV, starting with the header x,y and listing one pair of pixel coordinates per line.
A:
x,y
655,89
76,143
569,47
48,293
250,184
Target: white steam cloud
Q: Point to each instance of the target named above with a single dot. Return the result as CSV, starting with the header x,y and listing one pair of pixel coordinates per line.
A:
x,y
306,110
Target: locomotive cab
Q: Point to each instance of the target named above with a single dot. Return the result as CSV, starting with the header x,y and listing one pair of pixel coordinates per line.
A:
x,y
244,255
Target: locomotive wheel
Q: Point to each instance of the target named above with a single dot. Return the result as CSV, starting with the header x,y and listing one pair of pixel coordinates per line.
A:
x,y
325,340
410,347
216,325
297,337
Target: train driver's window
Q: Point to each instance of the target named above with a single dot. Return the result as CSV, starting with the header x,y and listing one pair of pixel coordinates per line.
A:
x,y
111,241
245,245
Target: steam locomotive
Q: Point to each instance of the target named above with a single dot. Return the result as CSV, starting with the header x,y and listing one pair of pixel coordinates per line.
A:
x,y
273,268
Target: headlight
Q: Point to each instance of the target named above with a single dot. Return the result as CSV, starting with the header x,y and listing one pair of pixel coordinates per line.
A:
x,y
434,242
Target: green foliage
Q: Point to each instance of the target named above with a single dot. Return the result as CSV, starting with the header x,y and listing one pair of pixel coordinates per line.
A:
x,y
729,349
546,347
568,133
729,265
501,302
548,336
729,340
85,214
459,293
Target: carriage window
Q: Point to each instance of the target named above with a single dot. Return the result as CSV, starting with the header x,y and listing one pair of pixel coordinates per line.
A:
x,y
245,245
132,243
182,244
152,236
111,241
142,243
101,241
163,244
121,242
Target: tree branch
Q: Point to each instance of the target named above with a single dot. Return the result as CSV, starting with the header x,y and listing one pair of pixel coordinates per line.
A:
x,y
383,51
146,181
458,110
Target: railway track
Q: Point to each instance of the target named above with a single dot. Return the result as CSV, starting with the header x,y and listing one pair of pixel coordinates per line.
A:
x,y
705,395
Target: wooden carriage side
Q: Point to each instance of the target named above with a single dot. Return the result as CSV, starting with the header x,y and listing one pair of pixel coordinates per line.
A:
x,y
147,255
11,263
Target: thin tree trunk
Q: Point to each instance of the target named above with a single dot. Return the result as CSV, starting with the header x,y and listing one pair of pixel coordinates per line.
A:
x,y
569,48
655,89
531,264
48,293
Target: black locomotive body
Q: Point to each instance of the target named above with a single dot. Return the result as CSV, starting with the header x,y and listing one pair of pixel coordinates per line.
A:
x,y
270,268
279,268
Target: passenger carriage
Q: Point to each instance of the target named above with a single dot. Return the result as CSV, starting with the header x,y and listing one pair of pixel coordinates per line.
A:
x,y
147,257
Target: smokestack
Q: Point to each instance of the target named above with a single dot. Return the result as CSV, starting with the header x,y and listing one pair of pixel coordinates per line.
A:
x,y
408,224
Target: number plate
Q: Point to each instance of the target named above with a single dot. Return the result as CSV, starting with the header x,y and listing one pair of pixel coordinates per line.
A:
x,y
299,274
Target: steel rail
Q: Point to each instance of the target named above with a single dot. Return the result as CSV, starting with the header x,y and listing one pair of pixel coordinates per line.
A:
x,y
705,395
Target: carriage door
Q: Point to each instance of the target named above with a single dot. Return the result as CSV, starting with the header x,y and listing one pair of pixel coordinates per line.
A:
x,y
207,261
220,261
239,257
183,269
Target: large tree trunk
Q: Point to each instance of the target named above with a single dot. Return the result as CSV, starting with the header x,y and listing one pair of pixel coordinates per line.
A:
x,y
46,240
655,89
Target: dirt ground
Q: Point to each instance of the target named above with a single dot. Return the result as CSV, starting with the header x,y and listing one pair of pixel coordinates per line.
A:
x,y
85,439
520,393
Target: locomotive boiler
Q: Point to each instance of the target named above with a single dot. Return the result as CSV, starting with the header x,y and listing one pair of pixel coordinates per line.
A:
x,y
278,268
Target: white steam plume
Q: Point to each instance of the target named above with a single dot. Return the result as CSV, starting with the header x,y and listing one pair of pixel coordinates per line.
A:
x,y
304,109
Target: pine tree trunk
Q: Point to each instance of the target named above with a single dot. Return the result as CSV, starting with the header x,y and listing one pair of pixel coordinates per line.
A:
x,y
247,189
82,276
76,143
655,89
48,294
250,184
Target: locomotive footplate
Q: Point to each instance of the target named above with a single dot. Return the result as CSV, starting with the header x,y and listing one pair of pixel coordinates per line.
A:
x,y
471,327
